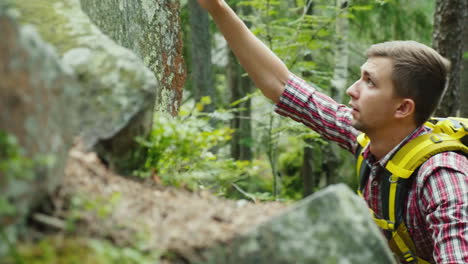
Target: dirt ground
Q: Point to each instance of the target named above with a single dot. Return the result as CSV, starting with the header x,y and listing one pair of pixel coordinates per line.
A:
x,y
160,218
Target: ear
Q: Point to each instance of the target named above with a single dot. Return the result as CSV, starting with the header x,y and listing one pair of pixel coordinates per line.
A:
x,y
405,108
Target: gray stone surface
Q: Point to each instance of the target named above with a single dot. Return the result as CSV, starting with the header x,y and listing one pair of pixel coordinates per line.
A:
x,y
117,94
37,107
151,29
332,226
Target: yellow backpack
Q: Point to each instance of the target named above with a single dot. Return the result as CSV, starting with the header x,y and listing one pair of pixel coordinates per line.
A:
x,y
448,134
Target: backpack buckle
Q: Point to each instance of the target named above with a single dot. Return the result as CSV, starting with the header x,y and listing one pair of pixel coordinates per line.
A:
x,y
464,126
436,139
390,225
410,257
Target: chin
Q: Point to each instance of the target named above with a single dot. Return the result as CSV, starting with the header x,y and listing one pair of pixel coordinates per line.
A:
x,y
359,126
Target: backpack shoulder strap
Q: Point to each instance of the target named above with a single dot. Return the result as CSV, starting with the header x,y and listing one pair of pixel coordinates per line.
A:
x,y
420,149
361,169
412,155
446,136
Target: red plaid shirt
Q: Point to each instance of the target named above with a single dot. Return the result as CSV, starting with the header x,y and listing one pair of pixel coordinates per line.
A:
x,y
437,206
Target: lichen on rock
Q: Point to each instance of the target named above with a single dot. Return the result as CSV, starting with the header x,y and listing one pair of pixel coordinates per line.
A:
x,y
151,29
116,102
331,226
37,119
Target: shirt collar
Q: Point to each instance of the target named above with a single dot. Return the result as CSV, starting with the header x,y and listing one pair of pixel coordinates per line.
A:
x,y
383,161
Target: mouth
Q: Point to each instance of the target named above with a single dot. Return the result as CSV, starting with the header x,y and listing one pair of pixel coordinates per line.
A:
x,y
354,108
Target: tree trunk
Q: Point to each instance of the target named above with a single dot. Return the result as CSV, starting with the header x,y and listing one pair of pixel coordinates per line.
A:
x,y
330,158
309,178
240,86
308,174
464,75
447,40
340,72
200,49
338,85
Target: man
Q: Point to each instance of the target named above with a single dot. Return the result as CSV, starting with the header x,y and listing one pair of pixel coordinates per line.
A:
x,y
400,86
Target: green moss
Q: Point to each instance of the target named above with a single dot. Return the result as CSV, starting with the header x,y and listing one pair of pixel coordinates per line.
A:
x,y
37,12
79,250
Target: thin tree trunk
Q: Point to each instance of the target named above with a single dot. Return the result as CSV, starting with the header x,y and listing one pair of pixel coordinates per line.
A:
x,y
340,76
200,50
245,124
309,177
464,74
340,73
239,86
330,157
447,40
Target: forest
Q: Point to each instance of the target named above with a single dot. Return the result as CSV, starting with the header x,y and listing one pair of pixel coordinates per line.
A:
x,y
131,134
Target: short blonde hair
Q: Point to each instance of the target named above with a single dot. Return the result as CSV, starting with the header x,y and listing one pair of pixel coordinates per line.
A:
x,y
419,73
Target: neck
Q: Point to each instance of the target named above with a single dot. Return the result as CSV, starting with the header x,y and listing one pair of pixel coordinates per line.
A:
x,y
384,140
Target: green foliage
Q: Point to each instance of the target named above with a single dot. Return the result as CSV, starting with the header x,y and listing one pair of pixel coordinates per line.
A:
x,y
290,163
380,21
13,161
16,166
303,35
70,247
186,151
81,206
291,158
61,250
182,144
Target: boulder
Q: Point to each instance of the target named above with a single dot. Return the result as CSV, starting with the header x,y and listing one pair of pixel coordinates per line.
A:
x,y
37,120
151,29
331,226
117,91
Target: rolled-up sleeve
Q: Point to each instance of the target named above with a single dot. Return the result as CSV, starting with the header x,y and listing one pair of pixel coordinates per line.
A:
x,y
303,103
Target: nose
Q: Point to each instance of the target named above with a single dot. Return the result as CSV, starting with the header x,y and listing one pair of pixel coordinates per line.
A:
x,y
353,90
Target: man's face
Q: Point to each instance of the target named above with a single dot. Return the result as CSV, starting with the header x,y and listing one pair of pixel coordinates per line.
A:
x,y
372,98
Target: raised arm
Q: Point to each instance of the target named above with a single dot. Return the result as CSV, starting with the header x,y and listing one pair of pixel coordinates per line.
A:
x,y
267,71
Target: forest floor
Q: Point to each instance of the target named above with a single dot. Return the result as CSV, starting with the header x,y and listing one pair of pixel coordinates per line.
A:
x,y
103,204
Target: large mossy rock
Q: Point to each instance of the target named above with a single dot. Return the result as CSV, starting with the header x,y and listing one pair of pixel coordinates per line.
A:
x,y
117,94
330,227
38,115
151,29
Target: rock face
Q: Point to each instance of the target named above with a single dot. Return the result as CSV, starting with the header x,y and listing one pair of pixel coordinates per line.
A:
x,y
38,110
332,226
61,77
117,94
151,29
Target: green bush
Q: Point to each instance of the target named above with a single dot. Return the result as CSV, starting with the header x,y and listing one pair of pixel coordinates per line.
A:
x,y
186,151
16,166
13,161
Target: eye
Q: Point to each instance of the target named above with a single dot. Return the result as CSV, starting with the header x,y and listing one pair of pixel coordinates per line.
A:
x,y
369,82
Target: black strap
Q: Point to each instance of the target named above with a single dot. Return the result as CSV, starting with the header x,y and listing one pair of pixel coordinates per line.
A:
x,y
403,187
364,170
